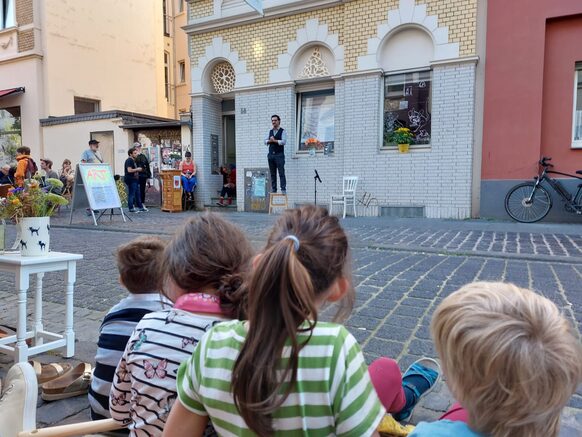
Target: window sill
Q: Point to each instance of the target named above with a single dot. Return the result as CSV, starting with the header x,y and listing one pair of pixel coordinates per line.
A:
x,y
419,147
576,145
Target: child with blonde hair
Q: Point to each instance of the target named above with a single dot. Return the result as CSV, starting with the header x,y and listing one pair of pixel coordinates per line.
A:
x,y
511,359
283,372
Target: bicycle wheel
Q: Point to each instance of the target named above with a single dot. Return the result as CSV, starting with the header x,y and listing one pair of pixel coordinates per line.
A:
x,y
520,208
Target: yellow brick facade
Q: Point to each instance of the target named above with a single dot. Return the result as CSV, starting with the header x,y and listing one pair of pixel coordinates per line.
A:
x,y
354,22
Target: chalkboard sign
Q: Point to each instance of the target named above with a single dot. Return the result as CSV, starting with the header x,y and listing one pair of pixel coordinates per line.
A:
x,y
100,186
95,189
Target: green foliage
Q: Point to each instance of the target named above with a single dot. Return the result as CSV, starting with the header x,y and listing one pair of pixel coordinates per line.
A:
x,y
30,201
402,135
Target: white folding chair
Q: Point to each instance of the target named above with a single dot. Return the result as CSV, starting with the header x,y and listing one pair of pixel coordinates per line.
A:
x,y
348,196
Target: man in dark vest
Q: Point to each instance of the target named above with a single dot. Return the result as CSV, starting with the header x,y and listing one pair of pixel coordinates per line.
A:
x,y
276,140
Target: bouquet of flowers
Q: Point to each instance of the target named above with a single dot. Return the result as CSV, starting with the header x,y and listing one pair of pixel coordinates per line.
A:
x,y
32,200
402,135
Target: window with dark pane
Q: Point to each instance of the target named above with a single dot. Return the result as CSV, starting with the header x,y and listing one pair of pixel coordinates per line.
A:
x,y
407,103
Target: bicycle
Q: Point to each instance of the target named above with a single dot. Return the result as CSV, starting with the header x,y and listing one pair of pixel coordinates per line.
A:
x,y
530,202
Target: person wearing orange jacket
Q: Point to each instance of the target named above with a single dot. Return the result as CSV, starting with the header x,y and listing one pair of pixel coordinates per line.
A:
x,y
22,157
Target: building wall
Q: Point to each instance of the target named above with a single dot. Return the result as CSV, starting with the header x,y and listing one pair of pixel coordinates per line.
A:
x,y
182,89
71,139
259,44
532,47
437,178
114,58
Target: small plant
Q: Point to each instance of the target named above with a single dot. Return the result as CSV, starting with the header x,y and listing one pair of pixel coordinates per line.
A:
x,y
313,143
32,200
402,135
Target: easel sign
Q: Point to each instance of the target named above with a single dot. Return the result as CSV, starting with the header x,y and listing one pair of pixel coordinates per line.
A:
x,y
95,189
278,203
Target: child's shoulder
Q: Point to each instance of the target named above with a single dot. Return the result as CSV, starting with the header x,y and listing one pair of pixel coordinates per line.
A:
x,y
444,428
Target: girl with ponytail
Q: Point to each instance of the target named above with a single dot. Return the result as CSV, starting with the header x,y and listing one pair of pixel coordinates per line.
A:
x,y
203,268
284,372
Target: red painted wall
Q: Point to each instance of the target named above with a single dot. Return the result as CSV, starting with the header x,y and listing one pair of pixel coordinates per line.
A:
x,y
529,102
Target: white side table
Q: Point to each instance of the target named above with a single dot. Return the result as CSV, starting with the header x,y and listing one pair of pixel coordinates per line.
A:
x,y
23,267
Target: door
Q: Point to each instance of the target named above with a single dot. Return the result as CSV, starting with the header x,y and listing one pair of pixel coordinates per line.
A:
x,y
106,145
229,152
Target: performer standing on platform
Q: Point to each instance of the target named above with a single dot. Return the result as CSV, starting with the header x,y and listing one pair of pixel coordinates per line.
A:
x,y
276,140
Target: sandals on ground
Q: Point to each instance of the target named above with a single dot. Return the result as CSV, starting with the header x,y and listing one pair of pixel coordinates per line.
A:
x,y
48,372
75,382
425,368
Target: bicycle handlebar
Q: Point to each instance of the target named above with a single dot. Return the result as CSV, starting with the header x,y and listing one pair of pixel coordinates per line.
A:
x,y
543,162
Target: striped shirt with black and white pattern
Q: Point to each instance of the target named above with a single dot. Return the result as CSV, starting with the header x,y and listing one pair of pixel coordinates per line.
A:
x,y
117,327
144,386
333,394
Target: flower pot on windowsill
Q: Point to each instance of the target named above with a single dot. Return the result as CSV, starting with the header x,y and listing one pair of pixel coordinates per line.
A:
x,y
403,148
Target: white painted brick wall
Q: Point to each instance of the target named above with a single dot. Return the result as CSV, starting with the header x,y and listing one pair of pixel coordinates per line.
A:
x,y
438,178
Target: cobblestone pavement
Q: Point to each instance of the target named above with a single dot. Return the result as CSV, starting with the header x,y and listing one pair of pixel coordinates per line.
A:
x,y
403,269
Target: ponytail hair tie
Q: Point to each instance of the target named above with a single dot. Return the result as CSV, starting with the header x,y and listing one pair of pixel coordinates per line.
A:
x,y
295,241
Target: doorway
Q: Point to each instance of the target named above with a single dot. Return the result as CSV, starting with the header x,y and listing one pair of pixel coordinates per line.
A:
x,y
106,145
229,133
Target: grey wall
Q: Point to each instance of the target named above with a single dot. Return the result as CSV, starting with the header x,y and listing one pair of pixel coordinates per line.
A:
x,y
493,199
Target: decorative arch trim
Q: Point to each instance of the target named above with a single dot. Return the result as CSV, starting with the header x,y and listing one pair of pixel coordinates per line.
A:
x,y
409,14
214,53
312,34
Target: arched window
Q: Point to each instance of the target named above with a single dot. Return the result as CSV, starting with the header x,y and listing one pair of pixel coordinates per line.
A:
x,y
405,56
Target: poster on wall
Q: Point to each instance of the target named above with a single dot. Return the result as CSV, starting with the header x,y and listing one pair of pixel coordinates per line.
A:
x,y
164,151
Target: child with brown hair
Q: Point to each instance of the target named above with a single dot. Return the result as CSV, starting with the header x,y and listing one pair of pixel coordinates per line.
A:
x,y
283,370
511,359
138,263
204,267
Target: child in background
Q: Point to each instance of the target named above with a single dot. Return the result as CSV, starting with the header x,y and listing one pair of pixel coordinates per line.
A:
x,y
204,266
139,271
284,370
510,358
22,167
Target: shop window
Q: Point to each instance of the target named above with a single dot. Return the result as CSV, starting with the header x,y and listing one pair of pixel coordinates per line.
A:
x,y
577,122
182,70
84,106
7,18
10,133
316,120
407,103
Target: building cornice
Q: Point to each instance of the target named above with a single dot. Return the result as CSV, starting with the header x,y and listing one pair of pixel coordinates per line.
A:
x,y
20,57
242,15
463,60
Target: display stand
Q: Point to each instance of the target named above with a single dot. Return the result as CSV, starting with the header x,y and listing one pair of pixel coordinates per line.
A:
x,y
171,190
278,203
94,189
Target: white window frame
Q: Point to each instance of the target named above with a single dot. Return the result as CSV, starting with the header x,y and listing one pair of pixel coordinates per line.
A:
x,y
8,21
309,89
576,144
382,96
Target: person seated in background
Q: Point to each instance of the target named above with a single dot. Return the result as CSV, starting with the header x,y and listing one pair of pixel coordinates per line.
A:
x,y
189,181
139,263
510,358
229,188
5,177
46,165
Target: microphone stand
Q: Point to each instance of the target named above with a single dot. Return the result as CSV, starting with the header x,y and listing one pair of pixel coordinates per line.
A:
x,y
315,179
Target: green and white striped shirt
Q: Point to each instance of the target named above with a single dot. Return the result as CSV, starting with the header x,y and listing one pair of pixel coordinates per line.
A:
x,y
333,394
